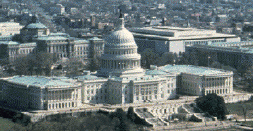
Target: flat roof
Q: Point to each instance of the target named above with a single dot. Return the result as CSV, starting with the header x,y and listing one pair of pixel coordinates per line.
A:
x,y
9,42
52,38
89,77
190,69
238,49
41,81
176,33
227,44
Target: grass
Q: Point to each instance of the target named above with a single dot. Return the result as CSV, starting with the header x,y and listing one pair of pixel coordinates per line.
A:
x,y
5,124
248,123
237,108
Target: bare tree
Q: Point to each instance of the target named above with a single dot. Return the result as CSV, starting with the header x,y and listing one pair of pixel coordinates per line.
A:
x,y
244,111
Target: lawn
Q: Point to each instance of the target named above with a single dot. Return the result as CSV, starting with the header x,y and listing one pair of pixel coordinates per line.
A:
x,y
248,123
237,108
5,124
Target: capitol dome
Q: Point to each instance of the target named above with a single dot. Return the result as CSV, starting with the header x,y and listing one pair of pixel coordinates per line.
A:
x,y
120,56
120,36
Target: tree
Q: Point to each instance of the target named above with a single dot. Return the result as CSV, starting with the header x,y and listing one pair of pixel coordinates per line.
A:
x,y
148,57
131,114
93,64
43,62
244,112
183,60
22,65
248,75
167,58
39,63
212,104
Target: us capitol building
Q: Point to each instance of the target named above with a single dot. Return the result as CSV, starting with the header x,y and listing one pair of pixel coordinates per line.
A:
x,y
120,81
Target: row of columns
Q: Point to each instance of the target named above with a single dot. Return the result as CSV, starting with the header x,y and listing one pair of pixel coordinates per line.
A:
x,y
218,91
219,82
61,95
62,105
129,51
57,48
118,64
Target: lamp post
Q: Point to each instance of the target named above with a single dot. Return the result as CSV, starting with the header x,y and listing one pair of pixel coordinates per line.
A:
x,y
208,60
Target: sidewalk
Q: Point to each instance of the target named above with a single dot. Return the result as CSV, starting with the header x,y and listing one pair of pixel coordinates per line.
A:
x,y
197,126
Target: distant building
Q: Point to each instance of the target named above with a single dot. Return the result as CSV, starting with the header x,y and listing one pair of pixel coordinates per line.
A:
x,y
57,9
59,44
93,21
11,50
104,25
33,30
9,28
234,54
174,39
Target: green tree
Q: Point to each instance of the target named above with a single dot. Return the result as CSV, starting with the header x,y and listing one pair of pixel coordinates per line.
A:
x,y
22,65
148,57
93,64
248,75
167,58
39,63
131,114
212,104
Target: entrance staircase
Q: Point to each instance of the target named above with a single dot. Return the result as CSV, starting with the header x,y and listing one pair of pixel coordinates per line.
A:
x,y
144,114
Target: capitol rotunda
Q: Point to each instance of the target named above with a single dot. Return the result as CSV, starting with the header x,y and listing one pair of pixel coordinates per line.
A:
x,y
120,56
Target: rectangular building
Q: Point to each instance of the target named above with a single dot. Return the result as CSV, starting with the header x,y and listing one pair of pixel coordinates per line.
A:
x,y
174,39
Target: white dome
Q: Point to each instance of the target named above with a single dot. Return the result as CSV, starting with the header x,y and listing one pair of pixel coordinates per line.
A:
x,y
120,36
120,56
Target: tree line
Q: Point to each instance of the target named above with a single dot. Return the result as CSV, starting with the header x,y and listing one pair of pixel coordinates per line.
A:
x,y
101,121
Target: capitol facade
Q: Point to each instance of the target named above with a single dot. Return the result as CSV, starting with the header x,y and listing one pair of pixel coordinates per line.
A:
x,y
121,80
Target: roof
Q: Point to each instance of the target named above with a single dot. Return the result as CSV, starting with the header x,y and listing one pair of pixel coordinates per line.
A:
x,y
9,42
52,38
29,44
59,34
89,77
81,40
95,38
227,44
237,49
155,72
36,26
175,33
190,69
41,81
120,36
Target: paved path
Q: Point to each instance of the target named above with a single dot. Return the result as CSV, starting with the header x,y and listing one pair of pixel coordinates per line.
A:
x,y
197,126
244,120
